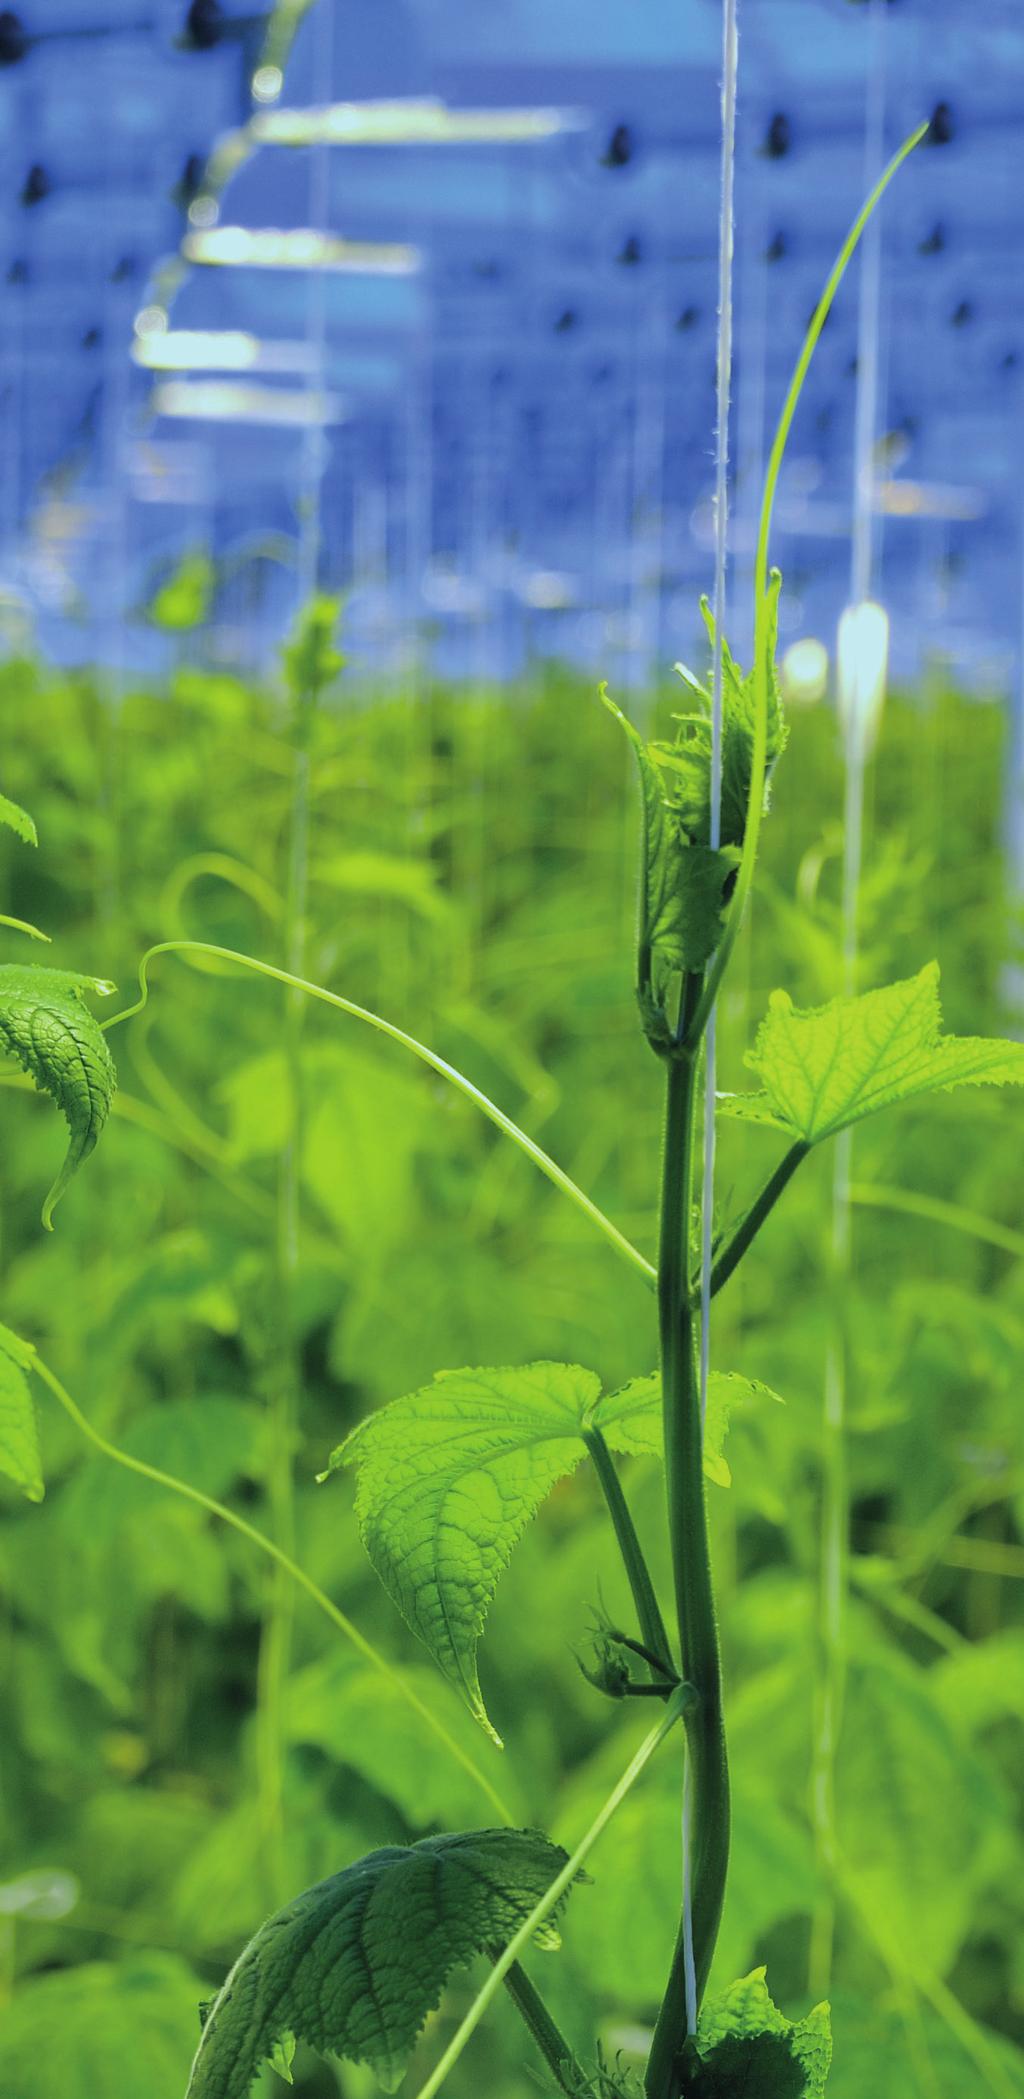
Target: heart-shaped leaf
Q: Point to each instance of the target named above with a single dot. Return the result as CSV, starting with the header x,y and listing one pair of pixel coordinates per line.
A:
x,y
354,1965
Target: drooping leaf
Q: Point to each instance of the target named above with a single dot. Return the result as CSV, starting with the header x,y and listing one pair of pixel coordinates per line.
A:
x,y
829,1067
631,1422
748,2049
46,1024
354,1965
99,2028
450,1476
17,820
448,1479
19,1431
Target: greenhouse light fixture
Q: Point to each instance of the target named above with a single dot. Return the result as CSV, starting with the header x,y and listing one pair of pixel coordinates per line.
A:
x,y
267,248
225,401
862,666
419,121
220,350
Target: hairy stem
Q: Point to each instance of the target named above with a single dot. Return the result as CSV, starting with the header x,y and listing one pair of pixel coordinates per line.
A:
x,y
552,2043
652,1624
698,1631
291,1567
678,1705
547,1166
731,1254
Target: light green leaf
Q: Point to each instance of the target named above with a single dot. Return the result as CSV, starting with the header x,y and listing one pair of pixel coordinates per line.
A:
x,y
21,925
184,601
630,1419
886,2051
81,2032
19,821
46,1025
749,2050
450,1476
282,2056
827,1068
918,1815
360,1719
311,660
682,881
19,1432
354,1965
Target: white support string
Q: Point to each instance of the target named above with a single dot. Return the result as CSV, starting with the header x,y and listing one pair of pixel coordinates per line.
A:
x,y
723,387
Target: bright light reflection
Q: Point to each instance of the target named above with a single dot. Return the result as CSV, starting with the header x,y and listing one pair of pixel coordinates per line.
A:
x,y
224,401
203,211
151,321
862,664
804,672
267,82
414,122
220,350
265,248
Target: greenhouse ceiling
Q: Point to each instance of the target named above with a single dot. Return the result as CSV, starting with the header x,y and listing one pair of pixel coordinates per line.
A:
x,y
418,300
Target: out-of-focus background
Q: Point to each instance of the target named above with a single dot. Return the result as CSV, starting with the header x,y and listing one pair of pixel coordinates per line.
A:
x,y
412,304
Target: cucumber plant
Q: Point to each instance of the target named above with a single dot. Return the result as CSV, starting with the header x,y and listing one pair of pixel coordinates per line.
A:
x,y
449,1476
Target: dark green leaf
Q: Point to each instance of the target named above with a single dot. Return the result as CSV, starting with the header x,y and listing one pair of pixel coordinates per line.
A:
x,y
354,1965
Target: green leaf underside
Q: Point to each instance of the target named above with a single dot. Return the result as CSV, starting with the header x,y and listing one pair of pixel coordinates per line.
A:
x,y
684,881
46,1025
450,1476
19,1432
17,820
831,1066
747,2049
355,1965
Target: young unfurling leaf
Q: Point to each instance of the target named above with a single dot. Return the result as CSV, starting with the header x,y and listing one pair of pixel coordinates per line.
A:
x,y
354,1965
684,882
46,1024
746,2046
824,1069
450,1476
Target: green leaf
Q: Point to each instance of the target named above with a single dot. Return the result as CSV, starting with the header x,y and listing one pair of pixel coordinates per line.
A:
x,y
81,2033
829,1067
311,660
630,1419
448,1479
359,1718
18,820
19,1432
184,601
354,1965
685,882
450,1476
46,1025
747,2049
682,881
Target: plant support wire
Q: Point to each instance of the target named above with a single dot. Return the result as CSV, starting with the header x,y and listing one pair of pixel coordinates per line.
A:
x,y
723,386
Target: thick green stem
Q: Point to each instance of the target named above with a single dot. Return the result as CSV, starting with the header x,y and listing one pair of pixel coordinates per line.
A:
x,y
698,1632
648,1611
552,2044
730,1255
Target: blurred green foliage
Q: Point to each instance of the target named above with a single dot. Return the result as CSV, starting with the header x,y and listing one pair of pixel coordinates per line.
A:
x,y
471,864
